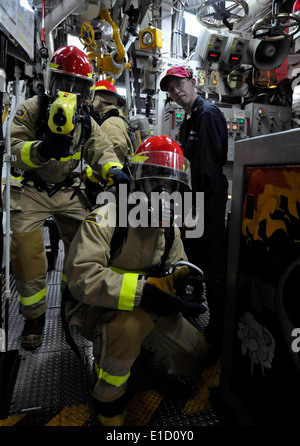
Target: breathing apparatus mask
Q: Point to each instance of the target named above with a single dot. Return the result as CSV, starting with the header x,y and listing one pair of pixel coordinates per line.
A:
x,y
160,196
158,169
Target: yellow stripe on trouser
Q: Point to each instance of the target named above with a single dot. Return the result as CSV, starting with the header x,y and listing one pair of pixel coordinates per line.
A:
x,y
29,264
127,292
30,300
116,381
116,345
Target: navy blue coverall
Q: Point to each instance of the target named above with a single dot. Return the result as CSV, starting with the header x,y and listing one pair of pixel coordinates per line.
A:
x,y
204,140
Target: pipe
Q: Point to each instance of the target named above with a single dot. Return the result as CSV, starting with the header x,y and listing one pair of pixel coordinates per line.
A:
x,y
7,159
59,13
177,33
257,10
104,14
43,24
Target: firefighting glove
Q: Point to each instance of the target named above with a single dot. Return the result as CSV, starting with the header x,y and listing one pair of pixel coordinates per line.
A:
x,y
55,146
160,293
115,177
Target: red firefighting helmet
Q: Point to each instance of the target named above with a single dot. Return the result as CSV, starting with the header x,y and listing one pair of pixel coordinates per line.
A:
x,y
109,88
70,70
160,157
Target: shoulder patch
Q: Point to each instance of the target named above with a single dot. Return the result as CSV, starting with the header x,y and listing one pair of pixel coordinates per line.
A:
x,y
20,113
95,218
104,216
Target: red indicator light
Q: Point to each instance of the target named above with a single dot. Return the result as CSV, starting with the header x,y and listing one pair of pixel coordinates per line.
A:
x,y
214,55
235,58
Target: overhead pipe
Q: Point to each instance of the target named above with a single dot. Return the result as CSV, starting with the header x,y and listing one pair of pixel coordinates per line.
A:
x,y
120,57
257,9
177,33
114,63
60,13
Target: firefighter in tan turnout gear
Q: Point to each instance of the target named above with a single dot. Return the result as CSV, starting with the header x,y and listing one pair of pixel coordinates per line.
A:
x,y
50,136
106,105
106,112
121,298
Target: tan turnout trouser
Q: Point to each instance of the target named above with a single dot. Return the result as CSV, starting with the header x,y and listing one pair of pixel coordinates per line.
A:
x,y
118,336
29,210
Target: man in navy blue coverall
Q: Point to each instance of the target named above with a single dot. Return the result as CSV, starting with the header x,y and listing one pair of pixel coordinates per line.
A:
x,y
204,140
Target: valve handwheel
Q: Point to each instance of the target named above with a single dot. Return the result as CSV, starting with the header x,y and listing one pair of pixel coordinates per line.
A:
x,y
87,36
276,26
219,14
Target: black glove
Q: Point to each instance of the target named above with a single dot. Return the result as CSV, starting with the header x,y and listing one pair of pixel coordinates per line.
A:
x,y
161,295
115,177
55,146
164,304
160,302
93,186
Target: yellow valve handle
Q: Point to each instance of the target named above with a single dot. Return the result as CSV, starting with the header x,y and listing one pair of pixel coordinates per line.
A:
x,y
87,36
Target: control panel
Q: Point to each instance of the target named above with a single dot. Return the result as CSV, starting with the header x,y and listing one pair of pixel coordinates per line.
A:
x,y
238,122
266,119
173,118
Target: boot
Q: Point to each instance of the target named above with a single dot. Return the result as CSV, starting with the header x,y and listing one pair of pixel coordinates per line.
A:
x,y
117,420
32,334
111,413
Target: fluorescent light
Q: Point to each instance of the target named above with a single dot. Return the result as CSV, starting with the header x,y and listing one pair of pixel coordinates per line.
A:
x,y
192,26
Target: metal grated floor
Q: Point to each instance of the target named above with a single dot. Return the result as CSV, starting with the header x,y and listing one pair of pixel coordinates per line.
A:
x,y
52,385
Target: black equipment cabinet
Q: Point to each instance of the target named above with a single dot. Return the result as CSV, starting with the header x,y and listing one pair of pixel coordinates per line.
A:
x,y
260,370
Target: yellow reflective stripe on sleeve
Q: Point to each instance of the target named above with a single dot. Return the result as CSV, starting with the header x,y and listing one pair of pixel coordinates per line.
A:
x,y
116,381
123,271
127,292
76,156
63,278
89,172
108,166
25,154
30,300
